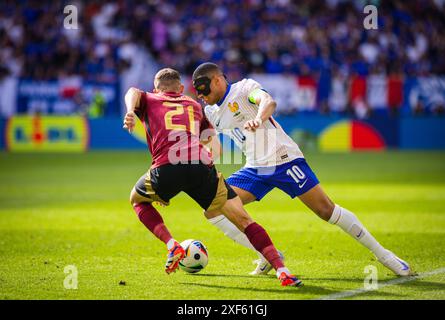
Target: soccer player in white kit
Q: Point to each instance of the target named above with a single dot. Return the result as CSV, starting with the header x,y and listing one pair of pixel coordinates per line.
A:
x,y
243,110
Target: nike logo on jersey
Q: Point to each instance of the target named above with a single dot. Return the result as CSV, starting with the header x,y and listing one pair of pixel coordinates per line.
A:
x,y
217,123
301,185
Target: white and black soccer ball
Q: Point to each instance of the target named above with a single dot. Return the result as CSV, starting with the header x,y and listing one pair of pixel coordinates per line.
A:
x,y
196,256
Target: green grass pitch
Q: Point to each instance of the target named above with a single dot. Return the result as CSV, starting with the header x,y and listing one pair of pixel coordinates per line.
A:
x,y
58,210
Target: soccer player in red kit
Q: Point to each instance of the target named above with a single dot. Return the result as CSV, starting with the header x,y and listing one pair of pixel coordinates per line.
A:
x,y
173,125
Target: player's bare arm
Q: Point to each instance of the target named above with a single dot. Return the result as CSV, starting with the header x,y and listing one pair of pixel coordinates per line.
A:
x,y
132,100
266,107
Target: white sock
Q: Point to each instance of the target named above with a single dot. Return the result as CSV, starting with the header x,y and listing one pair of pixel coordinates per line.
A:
x,y
231,231
347,221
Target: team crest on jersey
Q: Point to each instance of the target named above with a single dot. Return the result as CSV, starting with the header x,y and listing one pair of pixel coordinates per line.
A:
x,y
234,108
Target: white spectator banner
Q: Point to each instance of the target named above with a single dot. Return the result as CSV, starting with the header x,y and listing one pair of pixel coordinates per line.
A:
x,y
289,95
8,96
377,91
338,97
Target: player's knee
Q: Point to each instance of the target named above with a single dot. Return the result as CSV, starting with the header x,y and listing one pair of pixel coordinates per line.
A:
x,y
133,197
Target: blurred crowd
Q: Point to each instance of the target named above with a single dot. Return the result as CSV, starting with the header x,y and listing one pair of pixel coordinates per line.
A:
x,y
301,36
320,38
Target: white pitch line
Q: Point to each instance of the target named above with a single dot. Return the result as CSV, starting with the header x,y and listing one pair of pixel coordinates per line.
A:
x,y
351,293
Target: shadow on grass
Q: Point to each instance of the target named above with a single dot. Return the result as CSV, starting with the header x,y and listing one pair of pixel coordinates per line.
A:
x,y
357,280
319,291
306,289
230,275
271,276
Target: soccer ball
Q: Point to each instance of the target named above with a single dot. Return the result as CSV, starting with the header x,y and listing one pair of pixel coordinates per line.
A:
x,y
196,256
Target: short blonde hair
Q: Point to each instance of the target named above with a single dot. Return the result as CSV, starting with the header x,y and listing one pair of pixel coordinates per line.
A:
x,y
167,79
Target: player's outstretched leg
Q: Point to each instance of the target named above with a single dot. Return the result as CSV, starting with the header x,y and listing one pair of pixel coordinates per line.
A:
x,y
151,218
319,202
258,237
262,242
349,223
263,266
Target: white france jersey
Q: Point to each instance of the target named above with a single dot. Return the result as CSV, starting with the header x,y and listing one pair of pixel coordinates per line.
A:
x,y
269,145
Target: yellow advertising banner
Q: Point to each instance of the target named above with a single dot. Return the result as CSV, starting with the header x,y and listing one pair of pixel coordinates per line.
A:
x,y
47,134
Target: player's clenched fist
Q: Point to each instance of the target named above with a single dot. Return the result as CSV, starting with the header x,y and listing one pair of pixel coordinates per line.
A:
x,y
252,125
130,121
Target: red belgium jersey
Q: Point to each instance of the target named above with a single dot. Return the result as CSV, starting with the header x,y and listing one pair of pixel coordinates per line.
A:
x,y
173,124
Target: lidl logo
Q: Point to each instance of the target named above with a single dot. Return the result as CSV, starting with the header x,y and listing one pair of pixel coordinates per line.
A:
x,y
47,133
